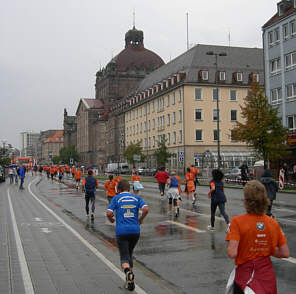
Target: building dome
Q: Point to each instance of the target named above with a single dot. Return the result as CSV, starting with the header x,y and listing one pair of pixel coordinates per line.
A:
x,y
135,57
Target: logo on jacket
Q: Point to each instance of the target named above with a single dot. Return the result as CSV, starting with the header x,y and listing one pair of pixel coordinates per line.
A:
x,y
260,226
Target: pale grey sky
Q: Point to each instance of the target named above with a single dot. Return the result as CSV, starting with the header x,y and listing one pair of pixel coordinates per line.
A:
x,y
51,49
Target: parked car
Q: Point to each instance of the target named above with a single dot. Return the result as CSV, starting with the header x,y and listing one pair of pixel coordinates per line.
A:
x,y
234,174
145,171
2,174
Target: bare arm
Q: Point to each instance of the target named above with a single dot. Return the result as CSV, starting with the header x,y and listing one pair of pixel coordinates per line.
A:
x,y
110,216
232,249
145,210
282,252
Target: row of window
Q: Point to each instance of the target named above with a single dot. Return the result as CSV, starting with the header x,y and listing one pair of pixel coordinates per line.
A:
x,y
276,94
290,61
221,76
288,29
199,115
215,94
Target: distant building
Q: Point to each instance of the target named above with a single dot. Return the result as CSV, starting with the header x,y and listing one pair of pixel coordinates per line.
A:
x,y
279,41
49,146
29,141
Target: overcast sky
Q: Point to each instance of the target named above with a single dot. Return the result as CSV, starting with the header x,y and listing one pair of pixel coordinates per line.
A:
x,y
51,49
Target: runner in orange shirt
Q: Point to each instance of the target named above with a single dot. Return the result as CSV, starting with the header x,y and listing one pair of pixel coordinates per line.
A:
x,y
195,171
77,176
253,238
67,170
52,171
109,187
190,188
73,170
136,182
116,181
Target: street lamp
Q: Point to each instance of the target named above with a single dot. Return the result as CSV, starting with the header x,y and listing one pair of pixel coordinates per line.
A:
x,y
217,101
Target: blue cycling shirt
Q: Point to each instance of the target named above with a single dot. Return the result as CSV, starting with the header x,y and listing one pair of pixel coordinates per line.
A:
x,y
126,206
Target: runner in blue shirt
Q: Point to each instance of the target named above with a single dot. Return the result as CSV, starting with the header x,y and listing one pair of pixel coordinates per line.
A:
x,y
126,207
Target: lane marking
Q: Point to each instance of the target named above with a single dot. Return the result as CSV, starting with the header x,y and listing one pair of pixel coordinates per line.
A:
x,y
185,226
28,285
85,242
45,230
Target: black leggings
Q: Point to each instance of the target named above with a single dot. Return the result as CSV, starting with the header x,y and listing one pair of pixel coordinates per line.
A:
x,y
237,289
126,245
222,211
92,200
161,187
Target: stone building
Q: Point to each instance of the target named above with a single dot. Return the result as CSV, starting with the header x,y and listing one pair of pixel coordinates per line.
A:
x,y
70,130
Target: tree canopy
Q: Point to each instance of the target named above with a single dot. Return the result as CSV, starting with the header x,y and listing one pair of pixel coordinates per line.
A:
x,y
133,149
161,154
67,153
262,129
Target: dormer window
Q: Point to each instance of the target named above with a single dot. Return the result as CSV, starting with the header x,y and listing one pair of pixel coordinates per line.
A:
x,y
281,8
239,76
254,77
221,75
204,75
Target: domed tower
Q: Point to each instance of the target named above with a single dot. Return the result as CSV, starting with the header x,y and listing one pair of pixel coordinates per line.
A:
x,y
126,70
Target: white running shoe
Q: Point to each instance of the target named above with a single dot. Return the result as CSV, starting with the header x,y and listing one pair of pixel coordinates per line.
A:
x,y
210,228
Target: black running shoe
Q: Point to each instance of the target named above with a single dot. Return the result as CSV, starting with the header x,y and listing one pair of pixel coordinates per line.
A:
x,y
130,281
92,217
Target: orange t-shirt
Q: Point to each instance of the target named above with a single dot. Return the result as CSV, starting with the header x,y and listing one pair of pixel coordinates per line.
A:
x,y
136,178
190,182
78,174
194,170
110,188
52,170
73,170
258,236
67,168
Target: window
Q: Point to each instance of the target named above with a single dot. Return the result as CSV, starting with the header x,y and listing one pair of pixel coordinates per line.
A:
x,y
232,95
153,124
291,122
127,132
137,131
270,38
149,125
137,113
198,94
215,94
233,115
180,136
134,130
141,128
204,75
239,76
153,109
174,99
198,114
293,27
222,76
174,137
276,95
275,65
285,31
153,141
215,135
276,35
169,139
231,136
198,135
180,96
180,115
141,112
291,90
148,108
290,60
174,117
215,114
169,119
168,100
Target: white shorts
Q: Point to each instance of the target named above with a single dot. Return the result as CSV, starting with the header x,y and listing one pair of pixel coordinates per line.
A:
x,y
173,193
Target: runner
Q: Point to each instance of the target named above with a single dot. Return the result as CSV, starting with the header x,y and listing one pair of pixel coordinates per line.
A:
x,y
136,182
22,174
254,237
73,170
218,198
173,193
116,181
61,173
161,177
195,172
109,187
52,171
40,170
190,188
77,176
126,207
89,185
67,169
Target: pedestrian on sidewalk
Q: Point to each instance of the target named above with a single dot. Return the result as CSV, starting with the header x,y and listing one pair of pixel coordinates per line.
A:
x,y
11,175
271,188
89,186
109,187
254,237
218,198
126,207
22,173
161,177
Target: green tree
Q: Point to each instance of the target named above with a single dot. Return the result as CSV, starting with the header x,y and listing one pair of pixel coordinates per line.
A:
x,y
67,153
4,159
161,154
131,150
262,129
56,160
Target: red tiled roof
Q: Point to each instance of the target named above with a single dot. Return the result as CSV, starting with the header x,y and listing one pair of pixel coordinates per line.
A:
x,y
277,17
94,103
57,137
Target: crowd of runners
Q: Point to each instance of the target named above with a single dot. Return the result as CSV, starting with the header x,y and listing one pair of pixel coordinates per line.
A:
x,y
242,232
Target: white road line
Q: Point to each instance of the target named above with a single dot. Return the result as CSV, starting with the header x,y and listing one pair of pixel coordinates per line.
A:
x,y
186,226
85,242
28,285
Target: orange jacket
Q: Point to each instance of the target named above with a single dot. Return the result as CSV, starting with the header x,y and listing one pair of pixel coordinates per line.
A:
x,y
109,187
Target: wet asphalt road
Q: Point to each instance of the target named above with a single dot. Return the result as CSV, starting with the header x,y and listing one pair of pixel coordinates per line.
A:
x,y
66,253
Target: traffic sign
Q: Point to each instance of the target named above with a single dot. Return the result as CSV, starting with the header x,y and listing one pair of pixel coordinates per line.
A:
x,y
71,160
181,156
136,157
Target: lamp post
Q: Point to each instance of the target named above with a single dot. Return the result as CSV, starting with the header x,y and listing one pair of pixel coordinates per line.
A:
x,y
217,103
